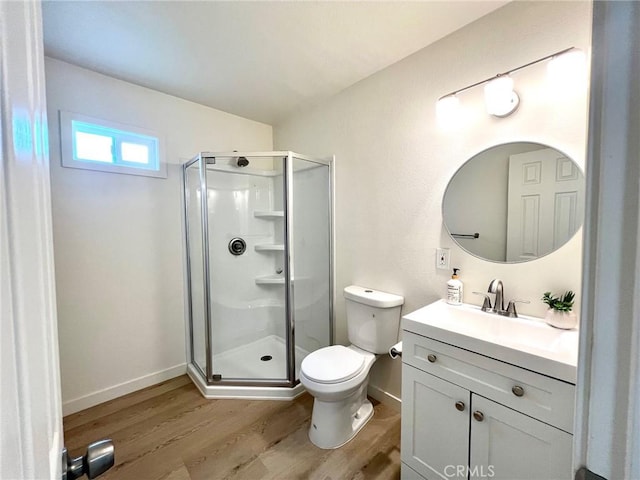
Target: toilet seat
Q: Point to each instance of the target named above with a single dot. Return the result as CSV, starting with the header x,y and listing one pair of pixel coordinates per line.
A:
x,y
333,364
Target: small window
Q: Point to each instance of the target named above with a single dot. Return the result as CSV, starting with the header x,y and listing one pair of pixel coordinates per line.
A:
x,y
95,144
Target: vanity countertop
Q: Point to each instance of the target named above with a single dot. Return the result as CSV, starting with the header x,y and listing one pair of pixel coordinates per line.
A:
x,y
526,342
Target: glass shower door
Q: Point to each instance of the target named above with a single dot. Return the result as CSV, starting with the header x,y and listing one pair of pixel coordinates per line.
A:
x,y
246,255
311,261
195,264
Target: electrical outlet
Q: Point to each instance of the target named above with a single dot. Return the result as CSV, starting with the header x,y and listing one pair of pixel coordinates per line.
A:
x,y
442,258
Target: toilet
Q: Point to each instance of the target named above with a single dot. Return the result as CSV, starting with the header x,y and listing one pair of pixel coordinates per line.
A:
x,y
338,376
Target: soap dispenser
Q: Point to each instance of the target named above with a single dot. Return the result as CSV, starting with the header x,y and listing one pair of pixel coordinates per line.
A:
x,y
455,289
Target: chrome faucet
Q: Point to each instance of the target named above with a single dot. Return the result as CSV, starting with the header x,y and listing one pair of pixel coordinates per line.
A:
x,y
496,287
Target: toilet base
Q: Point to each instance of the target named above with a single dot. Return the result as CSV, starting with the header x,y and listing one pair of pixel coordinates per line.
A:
x,y
335,423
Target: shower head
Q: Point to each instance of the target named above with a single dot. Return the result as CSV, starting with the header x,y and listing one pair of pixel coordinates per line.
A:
x,y
242,162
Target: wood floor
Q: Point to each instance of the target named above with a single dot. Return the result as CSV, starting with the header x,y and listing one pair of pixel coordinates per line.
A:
x,y
170,432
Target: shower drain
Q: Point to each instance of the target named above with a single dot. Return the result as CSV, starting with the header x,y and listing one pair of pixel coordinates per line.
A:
x,y
266,358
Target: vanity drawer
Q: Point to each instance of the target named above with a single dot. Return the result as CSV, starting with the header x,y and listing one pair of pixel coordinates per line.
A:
x,y
542,397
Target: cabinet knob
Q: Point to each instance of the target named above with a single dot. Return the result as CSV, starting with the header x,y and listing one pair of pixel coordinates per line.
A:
x,y
460,406
478,415
518,391
431,357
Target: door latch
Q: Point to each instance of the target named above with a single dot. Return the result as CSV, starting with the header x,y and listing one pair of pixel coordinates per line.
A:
x,y
99,458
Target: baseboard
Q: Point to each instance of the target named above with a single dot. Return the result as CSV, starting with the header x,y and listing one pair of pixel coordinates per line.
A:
x,y
385,397
109,393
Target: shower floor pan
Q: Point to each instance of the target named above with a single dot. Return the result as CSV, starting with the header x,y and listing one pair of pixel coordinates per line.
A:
x,y
249,362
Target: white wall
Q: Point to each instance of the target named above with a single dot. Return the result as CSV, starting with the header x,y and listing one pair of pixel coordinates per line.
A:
x,y
393,161
118,238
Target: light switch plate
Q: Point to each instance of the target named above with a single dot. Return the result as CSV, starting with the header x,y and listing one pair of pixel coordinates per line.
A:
x,y
442,258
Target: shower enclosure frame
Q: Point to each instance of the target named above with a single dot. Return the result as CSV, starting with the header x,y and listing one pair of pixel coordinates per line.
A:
x,y
207,377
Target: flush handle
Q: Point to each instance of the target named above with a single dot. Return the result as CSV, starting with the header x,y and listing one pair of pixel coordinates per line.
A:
x,y
460,406
518,391
478,415
431,357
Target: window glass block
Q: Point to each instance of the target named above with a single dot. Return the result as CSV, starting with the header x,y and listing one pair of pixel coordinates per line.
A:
x,y
92,147
134,152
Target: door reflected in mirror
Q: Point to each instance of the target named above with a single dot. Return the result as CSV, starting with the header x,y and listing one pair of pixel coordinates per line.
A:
x,y
515,202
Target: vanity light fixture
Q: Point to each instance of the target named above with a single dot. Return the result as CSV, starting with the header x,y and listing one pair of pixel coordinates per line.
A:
x,y
500,98
568,72
447,109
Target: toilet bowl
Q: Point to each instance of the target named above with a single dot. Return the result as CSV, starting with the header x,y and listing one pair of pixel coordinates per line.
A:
x,y
340,406
338,376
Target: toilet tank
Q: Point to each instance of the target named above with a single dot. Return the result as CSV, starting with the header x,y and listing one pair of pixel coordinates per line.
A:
x,y
373,318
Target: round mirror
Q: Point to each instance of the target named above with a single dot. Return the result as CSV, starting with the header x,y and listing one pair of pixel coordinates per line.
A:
x,y
515,202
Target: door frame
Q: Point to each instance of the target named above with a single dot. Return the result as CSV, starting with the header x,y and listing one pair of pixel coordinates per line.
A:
x,y
31,435
607,420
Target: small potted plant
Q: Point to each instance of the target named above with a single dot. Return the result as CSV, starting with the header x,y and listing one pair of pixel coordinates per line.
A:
x,y
559,314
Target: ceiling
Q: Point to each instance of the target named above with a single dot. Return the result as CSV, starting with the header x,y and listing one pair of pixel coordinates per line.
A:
x,y
260,60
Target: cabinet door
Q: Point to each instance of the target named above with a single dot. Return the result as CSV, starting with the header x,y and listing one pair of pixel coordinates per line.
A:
x,y
435,431
509,445
408,473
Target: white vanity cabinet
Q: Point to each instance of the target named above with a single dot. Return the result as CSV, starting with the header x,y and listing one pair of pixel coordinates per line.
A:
x,y
466,415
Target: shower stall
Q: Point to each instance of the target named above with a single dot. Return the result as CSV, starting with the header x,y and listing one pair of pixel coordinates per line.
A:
x,y
259,269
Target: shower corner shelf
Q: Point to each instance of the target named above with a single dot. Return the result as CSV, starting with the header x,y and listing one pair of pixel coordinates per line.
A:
x,y
273,247
273,280
270,280
268,213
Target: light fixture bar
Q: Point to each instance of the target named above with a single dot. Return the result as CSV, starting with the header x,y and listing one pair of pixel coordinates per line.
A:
x,y
455,92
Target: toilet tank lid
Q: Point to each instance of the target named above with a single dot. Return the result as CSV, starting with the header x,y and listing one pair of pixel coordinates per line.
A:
x,y
372,297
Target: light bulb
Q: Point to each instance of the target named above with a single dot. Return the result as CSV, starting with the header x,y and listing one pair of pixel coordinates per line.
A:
x,y
500,98
567,73
448,110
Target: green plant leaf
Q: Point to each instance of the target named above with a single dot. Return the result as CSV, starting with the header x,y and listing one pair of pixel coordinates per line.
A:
x,y
562,303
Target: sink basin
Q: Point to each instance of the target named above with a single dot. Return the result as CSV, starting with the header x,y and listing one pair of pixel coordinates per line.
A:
x,y
527,342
